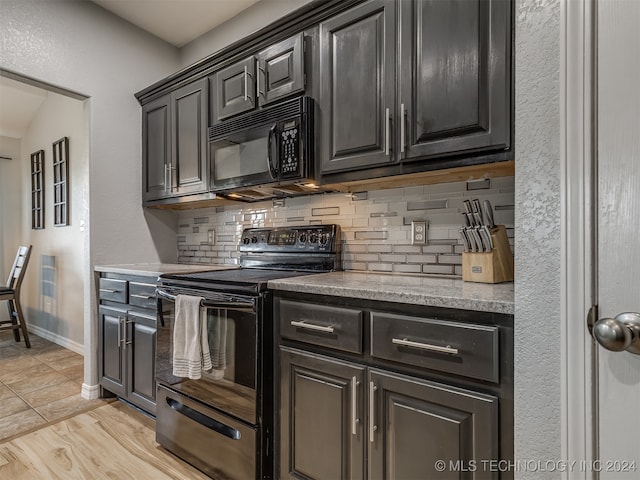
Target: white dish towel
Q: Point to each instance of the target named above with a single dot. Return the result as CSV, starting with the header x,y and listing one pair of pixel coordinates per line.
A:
x,y
190,340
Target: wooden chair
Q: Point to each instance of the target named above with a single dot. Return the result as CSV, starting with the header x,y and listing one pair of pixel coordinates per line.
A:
x,y
11,293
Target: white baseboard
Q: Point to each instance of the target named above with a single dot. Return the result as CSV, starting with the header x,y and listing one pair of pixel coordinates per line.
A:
x,y
58,339
90,392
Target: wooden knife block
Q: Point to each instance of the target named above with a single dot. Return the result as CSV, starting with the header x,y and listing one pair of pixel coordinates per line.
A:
x,y
490,267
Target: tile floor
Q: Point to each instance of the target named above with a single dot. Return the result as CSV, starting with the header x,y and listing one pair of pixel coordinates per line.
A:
x,y
38,385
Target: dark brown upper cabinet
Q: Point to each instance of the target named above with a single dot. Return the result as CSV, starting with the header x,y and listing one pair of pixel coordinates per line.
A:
x,y
174,148
281,70
234,89
453,77
189,171
410,80
156,148
357,81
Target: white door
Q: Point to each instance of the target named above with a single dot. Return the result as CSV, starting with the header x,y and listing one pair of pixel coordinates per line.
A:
x,y
618,87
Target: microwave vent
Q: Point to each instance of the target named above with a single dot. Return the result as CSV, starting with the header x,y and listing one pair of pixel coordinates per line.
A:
x,y
266,116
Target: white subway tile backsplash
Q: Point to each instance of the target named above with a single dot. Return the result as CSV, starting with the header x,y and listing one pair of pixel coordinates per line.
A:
x,y
375,225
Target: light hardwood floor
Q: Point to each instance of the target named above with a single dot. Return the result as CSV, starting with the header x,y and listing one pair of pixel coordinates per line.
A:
x,y
48,431
110,442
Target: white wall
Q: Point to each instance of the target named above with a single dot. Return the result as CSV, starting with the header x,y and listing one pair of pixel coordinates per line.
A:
x,y
83,48
55,308
252,19
537,223
10,216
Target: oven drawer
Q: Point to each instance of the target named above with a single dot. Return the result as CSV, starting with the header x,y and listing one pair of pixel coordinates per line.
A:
x,y
142,294
211,441
333,327
459,348
114,290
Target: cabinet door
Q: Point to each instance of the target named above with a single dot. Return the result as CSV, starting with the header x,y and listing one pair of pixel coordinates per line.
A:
x,y
234,89
454,76
281,70
322,417
156,148
189,172
414,423
357,61
141,351
111,324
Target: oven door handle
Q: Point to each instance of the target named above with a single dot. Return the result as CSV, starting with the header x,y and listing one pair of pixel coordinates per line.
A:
x,y
204,420
231,304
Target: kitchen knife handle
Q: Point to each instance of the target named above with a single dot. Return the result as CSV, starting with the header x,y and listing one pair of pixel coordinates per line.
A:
x,y
488,211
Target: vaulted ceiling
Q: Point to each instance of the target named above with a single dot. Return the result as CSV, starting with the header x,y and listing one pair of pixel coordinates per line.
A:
x,y
176,21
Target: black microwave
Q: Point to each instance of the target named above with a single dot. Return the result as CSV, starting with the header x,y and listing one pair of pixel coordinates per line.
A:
x,y
270,147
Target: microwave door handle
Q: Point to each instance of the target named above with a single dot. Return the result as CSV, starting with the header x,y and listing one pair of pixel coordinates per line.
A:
x,y
272,170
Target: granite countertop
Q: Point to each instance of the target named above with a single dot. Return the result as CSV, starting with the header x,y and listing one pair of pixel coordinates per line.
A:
x,y
418,290
156,269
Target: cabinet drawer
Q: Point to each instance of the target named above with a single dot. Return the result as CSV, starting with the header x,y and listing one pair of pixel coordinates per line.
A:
x,y
459,348
333,327
114,290
142,294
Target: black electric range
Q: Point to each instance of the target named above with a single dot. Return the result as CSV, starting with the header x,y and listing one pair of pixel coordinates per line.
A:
x,y
222,422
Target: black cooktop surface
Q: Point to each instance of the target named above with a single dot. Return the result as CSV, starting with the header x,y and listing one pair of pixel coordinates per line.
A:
x,y
251,279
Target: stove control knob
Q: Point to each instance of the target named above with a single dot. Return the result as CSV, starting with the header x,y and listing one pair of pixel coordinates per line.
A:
x,y
313,238
302,237
324,239
246,240
254,239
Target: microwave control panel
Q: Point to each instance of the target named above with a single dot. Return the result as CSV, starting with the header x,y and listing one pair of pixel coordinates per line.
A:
x,y
290,149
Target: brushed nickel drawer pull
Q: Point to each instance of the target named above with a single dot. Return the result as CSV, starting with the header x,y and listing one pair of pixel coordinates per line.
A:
x,y
144,297
108,290
311,326
403,342
149,285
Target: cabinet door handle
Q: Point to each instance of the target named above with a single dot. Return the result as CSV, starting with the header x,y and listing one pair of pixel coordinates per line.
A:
x,y
312,326
144,297
246,84
171,169
403,342
119,331
372,423
403,121
166,174
126,342
260,69
354,405
387,132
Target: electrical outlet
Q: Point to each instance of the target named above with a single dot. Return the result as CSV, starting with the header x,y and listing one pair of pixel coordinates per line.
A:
x,y
418,232
211,237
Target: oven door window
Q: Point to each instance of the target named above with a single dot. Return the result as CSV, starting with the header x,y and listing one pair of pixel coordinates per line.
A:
x,y
231,385
240,160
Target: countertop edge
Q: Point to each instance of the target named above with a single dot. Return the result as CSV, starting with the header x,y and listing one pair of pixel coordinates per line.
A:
x,y
424,299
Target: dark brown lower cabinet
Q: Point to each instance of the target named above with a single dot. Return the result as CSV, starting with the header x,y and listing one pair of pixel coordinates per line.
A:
x,y
127,338
322,413
425,430
127,355
342,420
